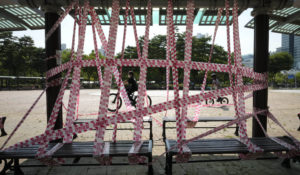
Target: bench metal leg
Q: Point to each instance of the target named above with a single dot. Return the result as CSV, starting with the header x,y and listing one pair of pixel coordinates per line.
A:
x,y
76,160
164,131
286,163
17,169
151,134
7,166
236,130
296,159
2,121
169,164
299,119
150,167
75,136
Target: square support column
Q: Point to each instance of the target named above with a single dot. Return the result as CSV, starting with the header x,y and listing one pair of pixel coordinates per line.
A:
x,y
52,45
261,59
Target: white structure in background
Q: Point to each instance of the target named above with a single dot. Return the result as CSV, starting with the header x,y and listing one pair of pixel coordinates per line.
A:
x,y
102,51
63,46
248,60
199,35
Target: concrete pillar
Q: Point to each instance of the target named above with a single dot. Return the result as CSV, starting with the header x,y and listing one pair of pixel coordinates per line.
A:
x,y
52,45
261,58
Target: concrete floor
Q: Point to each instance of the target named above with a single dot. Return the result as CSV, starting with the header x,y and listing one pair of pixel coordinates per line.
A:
x,y
284,105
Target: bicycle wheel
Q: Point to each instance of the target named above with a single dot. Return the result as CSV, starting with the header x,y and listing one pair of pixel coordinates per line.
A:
x,y
148,101
112,102
210,101
224,100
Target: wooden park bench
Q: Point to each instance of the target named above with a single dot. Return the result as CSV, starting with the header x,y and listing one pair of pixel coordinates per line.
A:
x,y
75,150
225,146
145,120
299,119
200,119
2,121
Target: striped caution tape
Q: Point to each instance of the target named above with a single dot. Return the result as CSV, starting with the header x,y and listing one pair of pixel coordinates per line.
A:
x,y
245,71
237,88
125,116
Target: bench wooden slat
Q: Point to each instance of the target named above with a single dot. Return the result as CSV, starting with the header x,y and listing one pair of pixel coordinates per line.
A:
x,y
78,149
145,120
172,119
78,121
135,148
219,146
186,149
201,119
106,149
223,146
228,143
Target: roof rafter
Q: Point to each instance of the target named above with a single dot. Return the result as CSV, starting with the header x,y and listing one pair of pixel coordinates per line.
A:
x,y
13,18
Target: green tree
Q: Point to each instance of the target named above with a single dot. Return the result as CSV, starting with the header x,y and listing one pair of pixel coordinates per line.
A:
x,y
90,73
38,64
19,57
66,56
280,78
157,50
8,54
12,61
298,78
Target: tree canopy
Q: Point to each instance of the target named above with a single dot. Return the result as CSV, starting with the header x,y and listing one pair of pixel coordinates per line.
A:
x,y
280,61
19,57
157,50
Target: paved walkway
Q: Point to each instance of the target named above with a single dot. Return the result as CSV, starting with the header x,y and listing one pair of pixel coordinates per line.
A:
x,y
284,106
287,91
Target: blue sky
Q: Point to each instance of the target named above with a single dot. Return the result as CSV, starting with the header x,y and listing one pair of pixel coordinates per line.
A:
x,y
246,35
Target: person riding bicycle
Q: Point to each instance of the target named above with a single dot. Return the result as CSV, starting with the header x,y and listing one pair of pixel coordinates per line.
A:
x,y
131,86
215,84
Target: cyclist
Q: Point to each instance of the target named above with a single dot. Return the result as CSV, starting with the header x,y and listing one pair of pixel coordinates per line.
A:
x,y
215,84
131,86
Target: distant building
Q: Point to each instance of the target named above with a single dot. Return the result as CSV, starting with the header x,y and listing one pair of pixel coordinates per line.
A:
x,y
63,46
291,43
199,35
248,60
102,51
279,49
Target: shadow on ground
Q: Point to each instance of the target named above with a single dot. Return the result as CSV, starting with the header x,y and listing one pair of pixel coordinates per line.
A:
x,y
245,167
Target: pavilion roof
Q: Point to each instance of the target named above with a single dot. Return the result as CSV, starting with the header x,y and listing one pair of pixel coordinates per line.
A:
x,y
14,16
286,21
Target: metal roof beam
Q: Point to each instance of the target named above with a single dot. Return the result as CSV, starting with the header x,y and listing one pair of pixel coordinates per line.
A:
x,y
297,30
289,19
282,20
13,18
41,13
243,4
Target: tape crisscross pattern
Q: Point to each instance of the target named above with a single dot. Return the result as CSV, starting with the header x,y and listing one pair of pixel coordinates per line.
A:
x,y
180,104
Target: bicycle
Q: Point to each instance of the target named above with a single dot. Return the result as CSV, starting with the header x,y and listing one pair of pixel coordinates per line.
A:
x,y
221,100
112,101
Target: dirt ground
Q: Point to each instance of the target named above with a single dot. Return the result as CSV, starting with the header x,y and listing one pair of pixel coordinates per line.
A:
x,y
283,104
